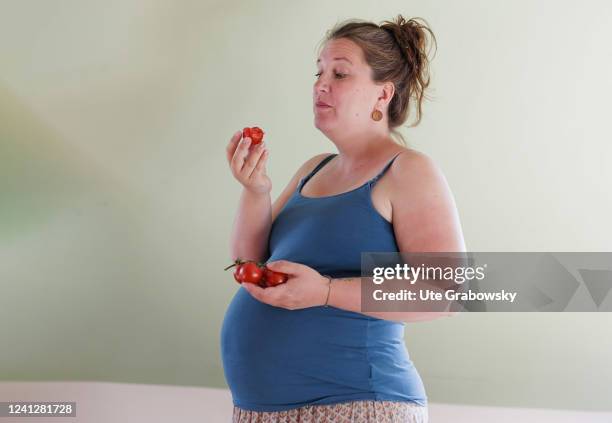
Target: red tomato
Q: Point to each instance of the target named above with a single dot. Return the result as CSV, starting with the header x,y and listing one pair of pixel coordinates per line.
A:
x,y
248,272
246,132
273,278
257,273
255,133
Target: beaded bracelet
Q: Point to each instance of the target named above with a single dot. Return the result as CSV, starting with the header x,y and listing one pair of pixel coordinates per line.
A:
x,y
328,290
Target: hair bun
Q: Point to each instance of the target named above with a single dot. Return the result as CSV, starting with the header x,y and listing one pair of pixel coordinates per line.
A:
x,y
409,35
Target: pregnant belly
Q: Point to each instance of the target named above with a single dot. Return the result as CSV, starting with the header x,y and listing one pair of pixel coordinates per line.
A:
x,y
273,355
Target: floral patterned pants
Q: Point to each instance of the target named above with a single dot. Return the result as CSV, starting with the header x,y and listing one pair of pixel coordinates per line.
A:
x,y
346,412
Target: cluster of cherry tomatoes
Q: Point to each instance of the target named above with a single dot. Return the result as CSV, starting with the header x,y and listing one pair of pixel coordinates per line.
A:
x,y
256,272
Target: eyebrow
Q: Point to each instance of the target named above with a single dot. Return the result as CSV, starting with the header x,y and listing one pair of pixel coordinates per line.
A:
x,y
338,58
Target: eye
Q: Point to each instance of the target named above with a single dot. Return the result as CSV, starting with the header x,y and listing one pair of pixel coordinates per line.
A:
x,y
338,75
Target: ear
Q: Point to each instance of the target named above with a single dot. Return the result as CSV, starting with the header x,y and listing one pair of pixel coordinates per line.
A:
x,y
388,89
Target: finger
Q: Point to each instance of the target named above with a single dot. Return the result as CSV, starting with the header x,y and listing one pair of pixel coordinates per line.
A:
x,y
231,146
282,266
255,291
259,159
242,151
254,151
263,161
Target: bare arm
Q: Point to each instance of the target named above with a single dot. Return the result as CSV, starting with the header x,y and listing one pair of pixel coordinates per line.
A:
x,y
345,293
255,214
251,229
252,221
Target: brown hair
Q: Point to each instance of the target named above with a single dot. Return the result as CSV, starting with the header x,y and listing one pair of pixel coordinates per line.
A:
x,y
395,50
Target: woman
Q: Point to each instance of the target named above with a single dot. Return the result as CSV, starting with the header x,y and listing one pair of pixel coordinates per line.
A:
x,y
304,351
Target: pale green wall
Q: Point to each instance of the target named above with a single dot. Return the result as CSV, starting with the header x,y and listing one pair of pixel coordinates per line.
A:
x,y
116,202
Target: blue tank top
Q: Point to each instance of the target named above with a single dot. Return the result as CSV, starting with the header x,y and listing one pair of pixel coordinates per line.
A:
x,y
276,359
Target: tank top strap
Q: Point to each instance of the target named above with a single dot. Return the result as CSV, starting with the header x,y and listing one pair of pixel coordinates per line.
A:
x,y
316,169
382,172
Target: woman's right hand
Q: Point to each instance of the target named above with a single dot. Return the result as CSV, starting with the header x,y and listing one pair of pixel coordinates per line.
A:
x,y
249,165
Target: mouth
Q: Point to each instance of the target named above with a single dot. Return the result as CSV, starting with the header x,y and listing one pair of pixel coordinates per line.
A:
x,y
322,105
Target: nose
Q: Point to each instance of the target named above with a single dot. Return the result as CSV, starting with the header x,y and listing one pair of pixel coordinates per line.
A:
x,y
319,89
321,85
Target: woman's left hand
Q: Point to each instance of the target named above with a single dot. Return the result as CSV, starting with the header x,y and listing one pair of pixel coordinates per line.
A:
x,y
304,288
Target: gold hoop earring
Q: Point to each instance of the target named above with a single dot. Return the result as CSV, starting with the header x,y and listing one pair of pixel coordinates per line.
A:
x,y
377,115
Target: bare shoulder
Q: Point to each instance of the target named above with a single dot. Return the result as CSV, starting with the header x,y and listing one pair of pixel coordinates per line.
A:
x,y
425,216
410,158
415,176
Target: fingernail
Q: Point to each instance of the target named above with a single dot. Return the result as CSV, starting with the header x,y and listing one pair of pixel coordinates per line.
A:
x,y
246,141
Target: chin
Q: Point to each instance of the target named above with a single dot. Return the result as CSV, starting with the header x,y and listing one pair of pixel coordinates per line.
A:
x,y
319,124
